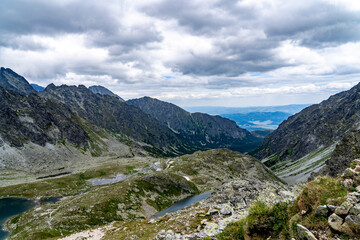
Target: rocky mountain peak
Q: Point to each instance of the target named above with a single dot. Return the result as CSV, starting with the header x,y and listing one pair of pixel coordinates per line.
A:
x,y
104,91
14,82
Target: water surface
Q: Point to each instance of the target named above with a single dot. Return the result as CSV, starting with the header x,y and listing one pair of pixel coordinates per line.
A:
x,y
10,207
103,181
184,203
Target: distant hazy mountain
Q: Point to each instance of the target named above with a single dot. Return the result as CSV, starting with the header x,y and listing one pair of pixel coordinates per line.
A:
x,y
258,120
37,87
104,91
291,109
202,130
12,81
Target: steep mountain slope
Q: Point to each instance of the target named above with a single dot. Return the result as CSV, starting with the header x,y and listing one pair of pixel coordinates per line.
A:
x,y
112,114
104,91
202,130
315,130
12,81
347,150
40,135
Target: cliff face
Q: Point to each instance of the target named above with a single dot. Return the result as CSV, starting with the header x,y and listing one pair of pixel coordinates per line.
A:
x,y
31,118
319,125
202,130
347,150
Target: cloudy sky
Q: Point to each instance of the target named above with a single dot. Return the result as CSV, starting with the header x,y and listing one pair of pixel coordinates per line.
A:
x,y
189,52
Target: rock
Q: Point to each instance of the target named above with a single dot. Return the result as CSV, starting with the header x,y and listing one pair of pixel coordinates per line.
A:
x,y
356,162
357,169
153,220
322,210
304,233
344,208
332,208
211,212
348,173
355,210
226,209
353,222
358,188
348,183
337,223
211,229
353,197
169,235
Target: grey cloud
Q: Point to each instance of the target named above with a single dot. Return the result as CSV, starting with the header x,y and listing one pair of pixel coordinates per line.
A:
x,y
92,18
314,25
45,18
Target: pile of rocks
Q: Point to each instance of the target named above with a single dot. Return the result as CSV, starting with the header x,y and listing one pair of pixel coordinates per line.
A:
x,y
229,204
346,217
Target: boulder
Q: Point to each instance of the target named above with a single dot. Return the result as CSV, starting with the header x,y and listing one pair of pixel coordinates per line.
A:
x,y
211,229
349,173
226,209
322,210
353,197
332,208
344,208
355,210
353,222
304,233
337,223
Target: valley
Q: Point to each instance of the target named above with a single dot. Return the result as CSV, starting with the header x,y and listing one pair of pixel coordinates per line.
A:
x,y
97,166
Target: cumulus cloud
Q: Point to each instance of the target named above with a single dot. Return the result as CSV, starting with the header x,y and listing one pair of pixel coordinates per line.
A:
x,y
186,49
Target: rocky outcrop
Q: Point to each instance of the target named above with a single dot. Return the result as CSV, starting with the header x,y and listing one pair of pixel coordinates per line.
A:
x,y
203,130
229,204
346,217
319,125
14,82
33,119
346,150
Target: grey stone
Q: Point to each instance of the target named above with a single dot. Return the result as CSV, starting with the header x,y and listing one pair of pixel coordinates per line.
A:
x,y
353,197
355,210
332,208
322,210
353,222
337,223
344,208
348,173
226,209
304,233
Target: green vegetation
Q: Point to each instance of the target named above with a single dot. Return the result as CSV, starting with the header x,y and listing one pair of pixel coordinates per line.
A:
x,y
234,231
320,191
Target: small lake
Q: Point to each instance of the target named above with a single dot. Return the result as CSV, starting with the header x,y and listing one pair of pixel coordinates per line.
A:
x,y
104,181
184,203
10,207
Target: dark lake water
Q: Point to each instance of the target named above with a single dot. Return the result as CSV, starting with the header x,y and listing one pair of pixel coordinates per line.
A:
x,y
184,203
10,207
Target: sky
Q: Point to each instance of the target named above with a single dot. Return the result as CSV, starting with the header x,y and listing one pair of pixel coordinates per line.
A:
x,y
189,52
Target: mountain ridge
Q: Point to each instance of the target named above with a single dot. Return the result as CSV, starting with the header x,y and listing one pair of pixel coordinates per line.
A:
x,y
201,129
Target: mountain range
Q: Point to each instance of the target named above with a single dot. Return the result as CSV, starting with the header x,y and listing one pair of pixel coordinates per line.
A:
x,y
90,118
